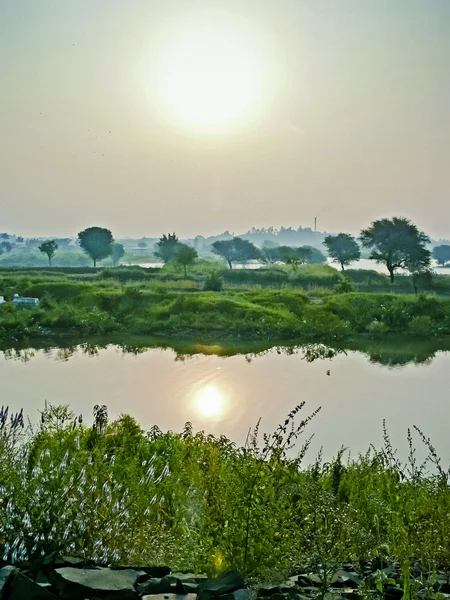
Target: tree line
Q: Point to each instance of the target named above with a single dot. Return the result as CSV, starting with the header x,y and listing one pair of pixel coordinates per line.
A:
x,y
397,243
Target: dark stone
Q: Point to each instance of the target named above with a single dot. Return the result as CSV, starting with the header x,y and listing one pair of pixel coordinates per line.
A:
x,y
228,582
242,594
22,587
154,572
169,597
56,560
103,583
345,579
393,593
156,586
306,580
268,590
6,575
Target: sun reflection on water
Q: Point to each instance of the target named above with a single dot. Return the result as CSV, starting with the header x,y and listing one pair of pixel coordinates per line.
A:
x,y
210,401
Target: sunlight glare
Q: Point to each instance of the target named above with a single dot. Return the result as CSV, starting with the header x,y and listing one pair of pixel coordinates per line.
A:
x,y
211,78
209,401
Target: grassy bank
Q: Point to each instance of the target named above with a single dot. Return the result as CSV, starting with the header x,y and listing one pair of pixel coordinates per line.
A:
x,y
199,502
96,303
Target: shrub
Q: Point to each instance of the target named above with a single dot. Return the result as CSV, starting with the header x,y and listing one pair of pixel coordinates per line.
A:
x,y
345,286
421,326
213,283
377,327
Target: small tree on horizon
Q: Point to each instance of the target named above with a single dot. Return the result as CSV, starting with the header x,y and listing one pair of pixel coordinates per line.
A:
x,y
235,250
165,248
49,248
117,252
398,244
185,256
442,254
97,242
343,249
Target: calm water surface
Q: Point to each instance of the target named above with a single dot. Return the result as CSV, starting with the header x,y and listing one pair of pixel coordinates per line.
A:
x,y
227,395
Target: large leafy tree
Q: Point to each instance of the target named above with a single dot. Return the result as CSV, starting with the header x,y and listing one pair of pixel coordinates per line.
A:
x,y
442,254
185,256
49,248
343,249
165,248
235,250
398,244
295,256
270,255
97,242
117,252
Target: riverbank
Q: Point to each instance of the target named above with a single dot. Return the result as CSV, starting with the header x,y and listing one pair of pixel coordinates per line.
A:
x,y
81,309
202,503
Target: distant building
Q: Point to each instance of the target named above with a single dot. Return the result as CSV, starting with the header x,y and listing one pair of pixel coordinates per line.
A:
x,y
18,301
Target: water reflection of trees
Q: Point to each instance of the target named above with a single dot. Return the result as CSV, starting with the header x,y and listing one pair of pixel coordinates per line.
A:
x,y
389,353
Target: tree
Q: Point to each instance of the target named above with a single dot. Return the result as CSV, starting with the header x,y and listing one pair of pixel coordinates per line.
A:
x,y
441,254
4,236
235,250
49,248
19,239
142,244
422,279
97,242
118,251
398,244
6,246
185,256
270,255
166,247
342,248
295,256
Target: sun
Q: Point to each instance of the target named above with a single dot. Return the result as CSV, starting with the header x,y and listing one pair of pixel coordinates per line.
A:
x,y
209,402
211,78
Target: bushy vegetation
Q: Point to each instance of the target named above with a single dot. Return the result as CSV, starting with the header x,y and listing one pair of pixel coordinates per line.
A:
x,y
142,301
199,502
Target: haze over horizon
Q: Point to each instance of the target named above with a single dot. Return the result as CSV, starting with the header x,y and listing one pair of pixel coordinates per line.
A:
x,y
202,116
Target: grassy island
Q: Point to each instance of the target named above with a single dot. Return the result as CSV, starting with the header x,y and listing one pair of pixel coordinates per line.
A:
x,y
314,303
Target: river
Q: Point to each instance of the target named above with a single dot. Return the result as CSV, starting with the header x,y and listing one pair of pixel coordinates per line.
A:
x,y
227,395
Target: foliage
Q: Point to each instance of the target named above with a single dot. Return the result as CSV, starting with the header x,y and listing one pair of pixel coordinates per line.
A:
x,y
185,256
112,492
342,248
398,244
344,286
235,250
97,242
442,254
117,252
49,248
166,247
213,283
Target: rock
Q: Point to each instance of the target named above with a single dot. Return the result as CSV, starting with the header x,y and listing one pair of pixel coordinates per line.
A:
x,y
228,582
6,575
241,594
107,583
345,579
269,590
154,572
308,580
22,587
169,597
156,586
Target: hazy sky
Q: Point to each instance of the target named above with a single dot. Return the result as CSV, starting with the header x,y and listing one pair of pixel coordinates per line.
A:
x,y
347,117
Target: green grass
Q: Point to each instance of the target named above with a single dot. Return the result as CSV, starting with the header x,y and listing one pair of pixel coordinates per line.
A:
x,y
142,301
117,494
